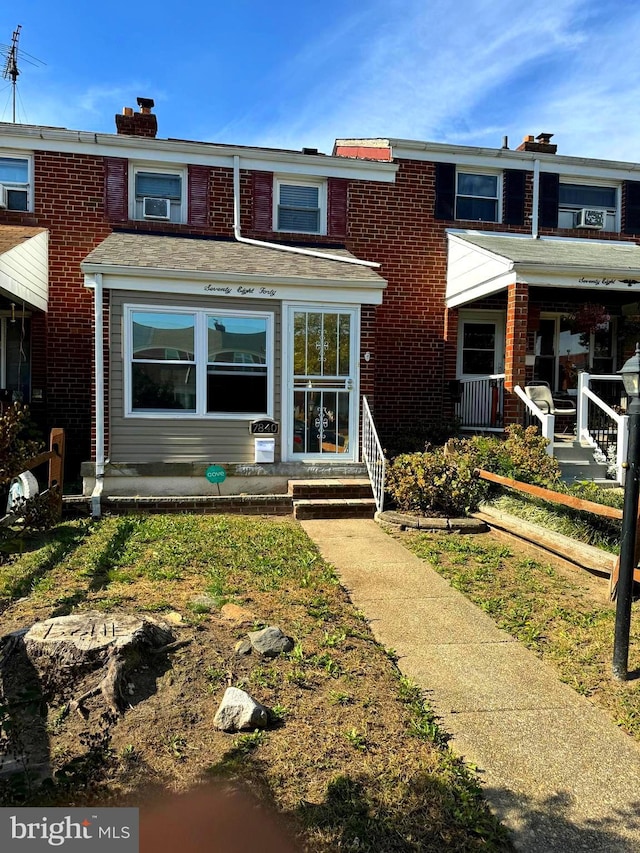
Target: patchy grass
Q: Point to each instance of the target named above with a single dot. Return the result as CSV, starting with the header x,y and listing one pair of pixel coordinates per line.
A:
x,y
354,758
564,616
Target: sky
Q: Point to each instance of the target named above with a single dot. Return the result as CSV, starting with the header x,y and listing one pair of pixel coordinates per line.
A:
x,y
292,74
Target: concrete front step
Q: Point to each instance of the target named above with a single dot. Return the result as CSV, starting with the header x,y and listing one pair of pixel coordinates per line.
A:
x,y
304,509
330,488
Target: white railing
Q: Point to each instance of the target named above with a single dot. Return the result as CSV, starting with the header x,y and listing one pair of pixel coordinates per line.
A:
x,y
481,403
547,421
373,455
602,427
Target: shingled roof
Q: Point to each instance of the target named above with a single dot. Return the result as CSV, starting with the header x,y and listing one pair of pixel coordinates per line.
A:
x,y
150,251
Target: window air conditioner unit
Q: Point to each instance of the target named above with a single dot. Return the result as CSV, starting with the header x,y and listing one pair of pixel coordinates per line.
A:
x,y
3,196
156,208
591,218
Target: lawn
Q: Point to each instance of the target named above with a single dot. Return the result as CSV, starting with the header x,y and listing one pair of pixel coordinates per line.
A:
x,y
353,759
564,615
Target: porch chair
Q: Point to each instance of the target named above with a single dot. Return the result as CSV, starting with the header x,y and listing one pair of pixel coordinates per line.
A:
x,y
540,394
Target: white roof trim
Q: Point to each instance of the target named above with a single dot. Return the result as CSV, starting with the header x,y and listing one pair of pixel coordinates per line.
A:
x,y
24,272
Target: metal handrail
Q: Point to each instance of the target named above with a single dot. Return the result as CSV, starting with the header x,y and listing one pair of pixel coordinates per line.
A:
x,y
373,455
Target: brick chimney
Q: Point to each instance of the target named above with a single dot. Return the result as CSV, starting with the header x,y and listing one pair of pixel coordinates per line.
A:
x,y
143,123
541,144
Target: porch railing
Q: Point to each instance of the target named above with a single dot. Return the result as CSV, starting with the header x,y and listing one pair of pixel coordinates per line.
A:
x,y
373,455
601,421
481,402
546,420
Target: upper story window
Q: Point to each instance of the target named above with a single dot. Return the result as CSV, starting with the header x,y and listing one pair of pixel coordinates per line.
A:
x,y
300,206
587,206
184,362
14,183
159,195
478,197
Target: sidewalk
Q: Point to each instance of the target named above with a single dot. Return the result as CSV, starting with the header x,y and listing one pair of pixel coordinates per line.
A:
x,y
555,769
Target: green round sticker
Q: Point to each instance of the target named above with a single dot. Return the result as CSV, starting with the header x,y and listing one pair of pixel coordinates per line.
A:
x,y
215,474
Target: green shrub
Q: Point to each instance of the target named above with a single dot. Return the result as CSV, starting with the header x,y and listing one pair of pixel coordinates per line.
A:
x,y
442,481
521,455
435,482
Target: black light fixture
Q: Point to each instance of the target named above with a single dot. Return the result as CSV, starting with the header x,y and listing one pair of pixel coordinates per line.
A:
x,y
630,373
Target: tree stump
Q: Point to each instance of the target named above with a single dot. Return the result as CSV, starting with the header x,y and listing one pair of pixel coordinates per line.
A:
x,y
65,649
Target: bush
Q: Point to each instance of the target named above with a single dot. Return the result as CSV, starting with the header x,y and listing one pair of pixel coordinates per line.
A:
x,y
522,455
435,482
442,481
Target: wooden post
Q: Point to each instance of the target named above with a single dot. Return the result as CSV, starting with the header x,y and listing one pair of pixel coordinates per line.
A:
x,y
56,466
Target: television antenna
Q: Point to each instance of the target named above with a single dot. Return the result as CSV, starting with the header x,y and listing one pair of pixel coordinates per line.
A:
x,y
11,72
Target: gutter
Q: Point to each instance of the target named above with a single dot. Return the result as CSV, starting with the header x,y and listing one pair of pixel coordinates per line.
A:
x,y
536,199
96,508
296,250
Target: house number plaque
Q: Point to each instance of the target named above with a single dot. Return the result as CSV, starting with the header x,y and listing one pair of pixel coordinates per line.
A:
x,y
264,426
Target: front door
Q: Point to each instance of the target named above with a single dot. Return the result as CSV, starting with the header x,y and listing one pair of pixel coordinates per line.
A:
x,y
480,369
322,385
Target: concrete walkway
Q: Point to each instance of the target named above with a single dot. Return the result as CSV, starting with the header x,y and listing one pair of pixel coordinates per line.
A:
x,y
555,769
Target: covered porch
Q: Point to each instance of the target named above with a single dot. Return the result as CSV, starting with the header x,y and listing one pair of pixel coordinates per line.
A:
x,y
563,313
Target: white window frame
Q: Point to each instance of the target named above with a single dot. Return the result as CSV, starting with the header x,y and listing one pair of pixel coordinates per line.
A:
x,y
28,185
593,182
498,198
297,181
479,316
201,362
138,166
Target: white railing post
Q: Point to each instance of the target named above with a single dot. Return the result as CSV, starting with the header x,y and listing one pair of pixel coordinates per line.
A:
x,y
548,423
622,445
373,455
582,418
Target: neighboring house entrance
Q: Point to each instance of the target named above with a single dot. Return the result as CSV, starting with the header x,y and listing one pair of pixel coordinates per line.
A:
x,y
480,367
320,415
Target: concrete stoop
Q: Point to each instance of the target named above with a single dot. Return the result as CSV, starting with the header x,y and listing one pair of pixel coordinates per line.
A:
x,y
577,463
332,498
348,497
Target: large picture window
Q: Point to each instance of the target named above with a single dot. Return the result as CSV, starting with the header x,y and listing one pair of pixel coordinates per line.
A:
x,y
199,362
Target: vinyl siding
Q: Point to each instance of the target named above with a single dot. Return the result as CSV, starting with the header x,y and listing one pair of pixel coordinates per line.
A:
x,y
207,440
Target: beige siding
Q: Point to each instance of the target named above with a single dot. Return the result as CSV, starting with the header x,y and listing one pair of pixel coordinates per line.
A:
x,y
206,440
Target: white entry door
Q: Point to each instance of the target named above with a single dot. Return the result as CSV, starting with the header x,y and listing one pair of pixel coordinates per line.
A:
x,y
320,415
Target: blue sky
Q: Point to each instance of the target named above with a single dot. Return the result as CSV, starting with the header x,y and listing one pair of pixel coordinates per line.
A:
x,y
292,74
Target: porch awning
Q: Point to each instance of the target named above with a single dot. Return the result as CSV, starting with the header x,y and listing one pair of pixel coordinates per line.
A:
x,y
480,264
24,266
163,263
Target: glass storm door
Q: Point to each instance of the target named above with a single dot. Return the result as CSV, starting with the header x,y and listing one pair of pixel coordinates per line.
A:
x,y
323,394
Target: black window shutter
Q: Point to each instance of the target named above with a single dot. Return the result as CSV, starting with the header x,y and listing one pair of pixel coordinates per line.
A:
x,y
631,207
445,191
263,201
337,215
198,195
514,193
549,198
116,185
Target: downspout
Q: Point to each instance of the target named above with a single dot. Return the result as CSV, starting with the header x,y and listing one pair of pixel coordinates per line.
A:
x,y
296,250
96,509
535,199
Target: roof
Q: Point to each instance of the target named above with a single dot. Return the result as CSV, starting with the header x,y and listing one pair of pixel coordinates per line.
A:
x,y
589,254
150,251
14,235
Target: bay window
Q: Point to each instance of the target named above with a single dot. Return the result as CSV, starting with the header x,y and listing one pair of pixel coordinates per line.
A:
x,y
199,363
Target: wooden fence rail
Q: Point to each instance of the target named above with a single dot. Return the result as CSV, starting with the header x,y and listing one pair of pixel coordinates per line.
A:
x,y
55,457
573,503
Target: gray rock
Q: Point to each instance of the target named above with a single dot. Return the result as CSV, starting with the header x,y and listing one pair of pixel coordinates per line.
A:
x,y
239,711
243,647
270,642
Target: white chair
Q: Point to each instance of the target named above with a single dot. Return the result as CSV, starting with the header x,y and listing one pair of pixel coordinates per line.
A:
x,y
540,394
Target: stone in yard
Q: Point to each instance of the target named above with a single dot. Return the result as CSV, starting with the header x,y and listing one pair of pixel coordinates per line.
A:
x,y
236,614
243,647
270,642
239,711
